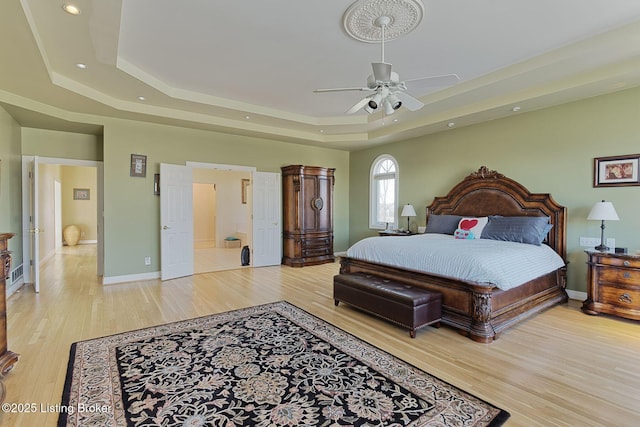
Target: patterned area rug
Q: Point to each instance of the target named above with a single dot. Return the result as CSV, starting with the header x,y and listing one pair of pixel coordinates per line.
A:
x,y
269,365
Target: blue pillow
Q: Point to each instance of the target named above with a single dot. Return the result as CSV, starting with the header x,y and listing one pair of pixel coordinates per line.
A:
x,y
442,224
520,229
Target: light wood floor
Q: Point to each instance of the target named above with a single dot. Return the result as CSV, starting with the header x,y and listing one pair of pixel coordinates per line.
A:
x,y
583,371
209,259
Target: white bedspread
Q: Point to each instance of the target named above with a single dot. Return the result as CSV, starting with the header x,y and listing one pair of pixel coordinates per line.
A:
x,y
503,264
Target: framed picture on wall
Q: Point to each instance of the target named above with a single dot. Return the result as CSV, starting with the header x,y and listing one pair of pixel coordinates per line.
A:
x,y
138,165
616,171
81,194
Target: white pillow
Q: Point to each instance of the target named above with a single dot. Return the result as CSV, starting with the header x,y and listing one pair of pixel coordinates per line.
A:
x,y
470,227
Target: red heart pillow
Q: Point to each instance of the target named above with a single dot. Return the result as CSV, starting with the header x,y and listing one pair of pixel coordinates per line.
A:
x,y
468,224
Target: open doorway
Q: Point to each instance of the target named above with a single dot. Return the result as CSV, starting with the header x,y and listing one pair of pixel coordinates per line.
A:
x,y
221,218
57,194
261,193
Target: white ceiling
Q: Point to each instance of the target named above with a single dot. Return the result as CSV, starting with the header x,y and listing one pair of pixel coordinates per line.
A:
x,y
250,67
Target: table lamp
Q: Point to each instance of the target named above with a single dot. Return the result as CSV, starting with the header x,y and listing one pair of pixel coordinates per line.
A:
x,y
603,211
408,211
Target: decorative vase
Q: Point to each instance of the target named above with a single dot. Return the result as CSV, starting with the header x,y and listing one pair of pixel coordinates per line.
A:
x,y
71,235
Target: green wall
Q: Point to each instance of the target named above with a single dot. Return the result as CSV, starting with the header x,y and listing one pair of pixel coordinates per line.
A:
x,y
549,151
132,212
61,145
11,184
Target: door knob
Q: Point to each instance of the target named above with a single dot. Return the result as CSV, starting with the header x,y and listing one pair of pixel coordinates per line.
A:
x,y
165,227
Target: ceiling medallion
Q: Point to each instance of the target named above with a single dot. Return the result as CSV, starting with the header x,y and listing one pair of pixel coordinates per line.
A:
x,y
360,19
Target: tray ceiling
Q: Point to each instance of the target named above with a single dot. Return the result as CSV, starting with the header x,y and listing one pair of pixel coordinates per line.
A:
x,y
251,67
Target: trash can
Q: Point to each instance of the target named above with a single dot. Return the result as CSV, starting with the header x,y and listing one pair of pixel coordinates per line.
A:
x,y
244,255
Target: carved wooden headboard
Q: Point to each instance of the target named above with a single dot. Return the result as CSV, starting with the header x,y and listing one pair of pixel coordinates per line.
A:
x,y
487,192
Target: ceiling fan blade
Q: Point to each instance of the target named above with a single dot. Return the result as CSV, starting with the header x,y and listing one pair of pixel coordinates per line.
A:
x,y
358,105
340,89
381,71
409,101
443,80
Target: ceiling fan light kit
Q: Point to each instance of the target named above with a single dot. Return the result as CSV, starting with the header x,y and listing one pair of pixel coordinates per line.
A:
x,y
374,21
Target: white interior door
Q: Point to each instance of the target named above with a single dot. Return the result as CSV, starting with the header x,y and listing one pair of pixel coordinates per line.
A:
x,y
176,221
267,222
100,219
34,230
57,205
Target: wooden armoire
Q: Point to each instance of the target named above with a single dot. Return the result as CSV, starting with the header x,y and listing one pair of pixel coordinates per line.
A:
x,y
307,193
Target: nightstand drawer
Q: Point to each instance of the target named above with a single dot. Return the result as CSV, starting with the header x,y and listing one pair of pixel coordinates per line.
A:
x,y
620,275
620,262
619,296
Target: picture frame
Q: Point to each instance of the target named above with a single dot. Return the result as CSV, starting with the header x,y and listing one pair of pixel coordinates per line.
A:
x,y
616,171
81,194
138,166
245,186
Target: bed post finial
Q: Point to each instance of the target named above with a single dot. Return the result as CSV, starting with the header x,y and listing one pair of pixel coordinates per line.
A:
x,y
484,172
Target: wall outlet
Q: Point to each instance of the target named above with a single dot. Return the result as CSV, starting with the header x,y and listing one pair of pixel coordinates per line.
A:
x,y
589,242
592,242
147,260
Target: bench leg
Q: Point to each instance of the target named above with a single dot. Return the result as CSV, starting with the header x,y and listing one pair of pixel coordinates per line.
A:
x,y
412,333
336,302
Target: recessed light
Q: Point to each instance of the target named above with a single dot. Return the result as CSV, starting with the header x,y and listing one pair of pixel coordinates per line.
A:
x,y
450,124
321,130
395,120
71,9
247,117
515,109
141,98
81,65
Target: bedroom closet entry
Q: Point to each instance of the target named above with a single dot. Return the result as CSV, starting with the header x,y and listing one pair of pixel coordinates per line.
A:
x,y
220,219
210,212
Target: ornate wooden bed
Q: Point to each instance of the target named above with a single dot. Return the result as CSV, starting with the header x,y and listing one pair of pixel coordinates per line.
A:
x,y
479,310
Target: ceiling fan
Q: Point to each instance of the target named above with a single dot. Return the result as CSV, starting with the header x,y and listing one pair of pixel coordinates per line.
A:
x,y
387,89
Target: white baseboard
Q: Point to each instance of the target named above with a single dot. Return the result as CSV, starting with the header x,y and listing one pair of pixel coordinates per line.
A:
x,y
112,280
577,295
87,242
13,287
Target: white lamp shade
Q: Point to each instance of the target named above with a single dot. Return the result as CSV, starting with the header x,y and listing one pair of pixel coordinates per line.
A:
x,y
603,211
408,210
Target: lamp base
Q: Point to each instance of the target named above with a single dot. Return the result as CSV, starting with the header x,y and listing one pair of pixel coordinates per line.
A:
x,y
602,248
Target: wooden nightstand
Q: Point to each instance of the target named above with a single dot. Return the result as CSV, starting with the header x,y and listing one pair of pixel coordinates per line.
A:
x,y
613,284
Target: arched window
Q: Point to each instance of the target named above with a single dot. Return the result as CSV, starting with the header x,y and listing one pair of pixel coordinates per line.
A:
x,y
383,181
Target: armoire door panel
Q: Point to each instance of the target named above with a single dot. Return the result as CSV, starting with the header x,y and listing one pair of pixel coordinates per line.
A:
x,y
309,195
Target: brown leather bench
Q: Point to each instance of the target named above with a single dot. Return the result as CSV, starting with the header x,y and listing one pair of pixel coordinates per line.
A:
x,y
405,305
